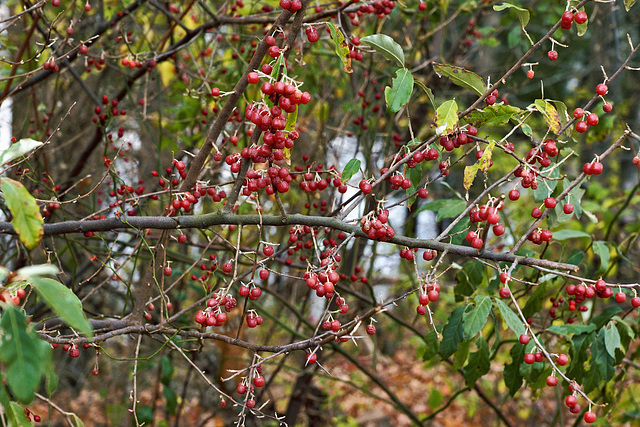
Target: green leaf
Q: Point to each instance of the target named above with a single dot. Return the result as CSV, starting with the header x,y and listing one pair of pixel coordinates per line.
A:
x,y
569,234
611,338
351,168
23,354
601,319
601,249
492,115
171,398
535,301
511,318
341,47
447,117
20,417
461,355
428,92
452,333
25,273
385,45
523,14
27,220
628,4
545,190
574,329
166,370
446,208
461,77
77,421
19,149
63,302
435,399
479,363
475,319
512,376
399,93
432,346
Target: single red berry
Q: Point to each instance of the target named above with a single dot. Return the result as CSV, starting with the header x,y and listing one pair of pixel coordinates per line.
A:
x,y
422,6
592,119
581,126
268,250
529,358
258,381
524,339
536,212
365,187
607,107
477,243
55,3
589,417
602,89
498,229
620,297
567,16
514,195
371,329
504,292
552,381
530,74
550,203
490,100
562,359
578,113
570,401
635,302
568,208
580,17
312,358
253,77
553,55
167,271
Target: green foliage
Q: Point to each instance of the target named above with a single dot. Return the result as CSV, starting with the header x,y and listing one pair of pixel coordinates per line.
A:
x,y
452,334
27,220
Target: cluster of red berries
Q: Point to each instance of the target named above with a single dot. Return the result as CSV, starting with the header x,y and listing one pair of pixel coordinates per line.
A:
x,y
408,253
72,349
428,293
491,216
312,34
375,226
50,65
324,282
592,118
254,320
28,413
566,22
105,111
291,5
214,315
593,168
451,142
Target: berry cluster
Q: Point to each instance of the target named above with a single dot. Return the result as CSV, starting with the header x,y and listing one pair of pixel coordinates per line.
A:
x,y
428,293
491,216
374,225
216,312
450,142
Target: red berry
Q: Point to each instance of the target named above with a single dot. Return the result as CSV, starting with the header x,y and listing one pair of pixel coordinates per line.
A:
x,y
568,208
312,358
514,195
536,212
268,250
602,89
567,16
592,119
589,417
258,381
274,51
607,107
553,55
530,74
55,3
422,6
635,302
620,297
365,187
529,358
504,292
578,113
524,339
552,381
253,77
580,17
562,359
581,126
167,271
570,401
477,243
550,203
371,329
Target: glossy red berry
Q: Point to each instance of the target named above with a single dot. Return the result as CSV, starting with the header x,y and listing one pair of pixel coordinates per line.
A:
x,y
592,119
620,297
422,6
589,417
529,358
580,17
514,195
568,208
553,55
504,292
530,74
570,401
524,339
253,77
607,107
581,126
371,329
552,381
578,113
562,359
167,271
550,203
602,89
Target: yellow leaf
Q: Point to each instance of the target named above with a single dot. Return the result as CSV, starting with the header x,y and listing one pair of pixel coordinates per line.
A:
x,y
469,175
166,72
